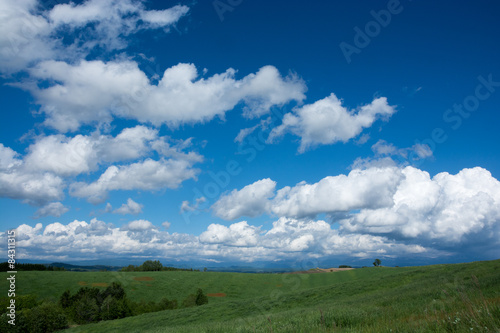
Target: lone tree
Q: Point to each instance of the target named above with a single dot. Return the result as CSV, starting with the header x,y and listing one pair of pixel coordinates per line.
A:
x,y
377,262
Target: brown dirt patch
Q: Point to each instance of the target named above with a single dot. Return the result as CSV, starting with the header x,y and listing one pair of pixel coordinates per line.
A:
x,y
82,283
100,284
279,285
143,278
148,285
217,295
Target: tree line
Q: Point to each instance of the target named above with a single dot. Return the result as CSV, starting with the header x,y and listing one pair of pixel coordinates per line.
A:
x,y
87,305
154,266
4,267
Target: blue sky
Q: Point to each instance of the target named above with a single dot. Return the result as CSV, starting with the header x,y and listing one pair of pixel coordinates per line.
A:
x,y
249,131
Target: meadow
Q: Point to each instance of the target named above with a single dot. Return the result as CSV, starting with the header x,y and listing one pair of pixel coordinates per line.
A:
x,y
438,298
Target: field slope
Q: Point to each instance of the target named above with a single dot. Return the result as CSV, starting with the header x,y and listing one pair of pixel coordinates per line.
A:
x,y
439,298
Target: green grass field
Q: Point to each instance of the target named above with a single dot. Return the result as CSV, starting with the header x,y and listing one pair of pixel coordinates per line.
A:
x,y
439,298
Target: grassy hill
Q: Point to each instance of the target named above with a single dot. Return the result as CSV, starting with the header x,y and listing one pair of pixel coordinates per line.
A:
x,y
439,298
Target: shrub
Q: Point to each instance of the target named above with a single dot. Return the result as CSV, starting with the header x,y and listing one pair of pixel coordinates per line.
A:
x,y
189,301
113,308
86,310
47,317
201,298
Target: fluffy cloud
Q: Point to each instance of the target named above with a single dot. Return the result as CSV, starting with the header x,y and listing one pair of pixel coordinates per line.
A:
x,y
52,209
402,202
69,156
131,207
41,176
138,225
360,189
240,241
147,175
31,186
62,155
94,91
24,36
237,234
112,19
451,208
252,200
29,35
326,121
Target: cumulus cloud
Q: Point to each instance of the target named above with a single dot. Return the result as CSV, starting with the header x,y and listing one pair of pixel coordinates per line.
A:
x,y
24,36
326,121
237,234
70,156
29,34
359,189
147,175
400,202
41,175
252,200
131,207
287,239
52,209
95,91
31,186
451,208
138,225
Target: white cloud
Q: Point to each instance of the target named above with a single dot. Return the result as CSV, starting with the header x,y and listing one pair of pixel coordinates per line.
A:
x,y
41,176
287,239
70,156
131,207
186,207
31,186
108,208
62,155
359,189
326,121
147,175
403,202
24,36
252,200
383,148
386,154
243,133
237,234
8,158
452,208
166,225
94,91
138,225
29,35
52,209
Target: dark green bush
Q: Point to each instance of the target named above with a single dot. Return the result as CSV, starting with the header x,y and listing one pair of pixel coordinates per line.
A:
x,y
201,298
